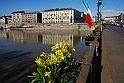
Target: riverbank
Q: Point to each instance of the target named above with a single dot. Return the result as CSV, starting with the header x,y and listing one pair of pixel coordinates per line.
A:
x,y
40,26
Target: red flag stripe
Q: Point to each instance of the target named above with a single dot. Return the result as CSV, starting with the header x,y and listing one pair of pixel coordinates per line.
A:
x,y
88,20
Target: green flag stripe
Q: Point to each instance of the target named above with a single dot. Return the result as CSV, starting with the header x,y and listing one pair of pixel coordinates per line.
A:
x,y
85,5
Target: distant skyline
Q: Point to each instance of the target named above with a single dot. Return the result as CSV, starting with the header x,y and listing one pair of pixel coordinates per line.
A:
x,y
108,7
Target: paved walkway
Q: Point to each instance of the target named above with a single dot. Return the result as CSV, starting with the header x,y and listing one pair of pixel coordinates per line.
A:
x,y
112,57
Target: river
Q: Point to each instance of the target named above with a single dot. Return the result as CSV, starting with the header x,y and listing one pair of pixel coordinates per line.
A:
x,y
19,49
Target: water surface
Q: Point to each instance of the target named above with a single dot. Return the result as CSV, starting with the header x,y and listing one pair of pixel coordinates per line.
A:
x,y
19,49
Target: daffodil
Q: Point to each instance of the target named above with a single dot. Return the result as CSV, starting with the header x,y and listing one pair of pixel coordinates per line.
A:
x,y
51,64
58,52
73,49
62,57
61,44
69,54
52,55
42,54
38,60
47,74
64,50
53,48
43,65
50,61
55,60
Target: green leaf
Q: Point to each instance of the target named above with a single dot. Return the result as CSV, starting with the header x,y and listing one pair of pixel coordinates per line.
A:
x,y
66,67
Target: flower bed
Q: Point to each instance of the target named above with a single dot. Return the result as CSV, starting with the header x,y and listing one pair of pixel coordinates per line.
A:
x,y
57,66
89,37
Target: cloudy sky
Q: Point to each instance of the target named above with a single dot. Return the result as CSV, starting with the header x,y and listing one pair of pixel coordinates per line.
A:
x,y
108,7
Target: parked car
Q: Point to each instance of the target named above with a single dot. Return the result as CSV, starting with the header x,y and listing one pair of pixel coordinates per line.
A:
x,y
123,24
119,24
112,23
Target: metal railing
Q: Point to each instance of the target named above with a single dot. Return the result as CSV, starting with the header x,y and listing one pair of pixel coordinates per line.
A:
x,y
90,63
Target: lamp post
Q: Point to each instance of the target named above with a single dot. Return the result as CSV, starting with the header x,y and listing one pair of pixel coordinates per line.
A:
x,y
99,13
98,10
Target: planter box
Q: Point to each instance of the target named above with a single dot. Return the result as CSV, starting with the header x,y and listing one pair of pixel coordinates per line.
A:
x,y
87,41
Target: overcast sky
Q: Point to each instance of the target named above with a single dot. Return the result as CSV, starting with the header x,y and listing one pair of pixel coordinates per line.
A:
x,y
108,7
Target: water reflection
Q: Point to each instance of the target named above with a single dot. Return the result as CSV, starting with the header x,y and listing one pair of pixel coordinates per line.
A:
x,y
18,50
47,37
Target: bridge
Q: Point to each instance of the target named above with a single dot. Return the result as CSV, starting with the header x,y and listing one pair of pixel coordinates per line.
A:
x,y
104,62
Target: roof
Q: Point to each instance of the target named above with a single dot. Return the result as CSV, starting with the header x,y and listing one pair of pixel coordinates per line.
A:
x,y
18,12
57,9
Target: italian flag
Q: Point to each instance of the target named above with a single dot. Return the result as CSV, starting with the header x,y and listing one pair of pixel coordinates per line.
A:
x,y
89,18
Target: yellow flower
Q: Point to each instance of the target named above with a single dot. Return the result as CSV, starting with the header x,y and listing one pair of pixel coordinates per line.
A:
x,y
47,74
66,44
64,50
73,49
38,60
61,44
56,46
62,57
55,60
69,54
50,82
58,52
53,48
52,55
43,65
50,61
43,53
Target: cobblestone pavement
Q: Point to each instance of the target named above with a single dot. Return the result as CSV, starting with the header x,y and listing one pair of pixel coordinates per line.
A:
x,y
112,57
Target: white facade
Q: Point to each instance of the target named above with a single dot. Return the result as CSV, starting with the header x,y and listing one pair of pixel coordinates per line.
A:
x,y
64,15
9,20
17,16
110,19
3,20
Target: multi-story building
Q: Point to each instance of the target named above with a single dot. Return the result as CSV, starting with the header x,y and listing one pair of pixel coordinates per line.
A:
x,y
5,21
32,17
9,19
17,16
110,19
63,15
22,17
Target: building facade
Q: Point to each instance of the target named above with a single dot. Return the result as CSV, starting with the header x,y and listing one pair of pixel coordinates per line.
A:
x,y
22,17
63,15
17,16
4,19
110,19
32,17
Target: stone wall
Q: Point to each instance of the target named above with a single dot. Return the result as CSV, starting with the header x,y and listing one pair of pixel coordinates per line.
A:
x,y
80,26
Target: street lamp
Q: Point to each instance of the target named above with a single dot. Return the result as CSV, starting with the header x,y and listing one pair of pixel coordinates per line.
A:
x,y
98,11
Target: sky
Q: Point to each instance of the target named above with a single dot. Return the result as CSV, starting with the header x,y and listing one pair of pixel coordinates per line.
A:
x,y
108,7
